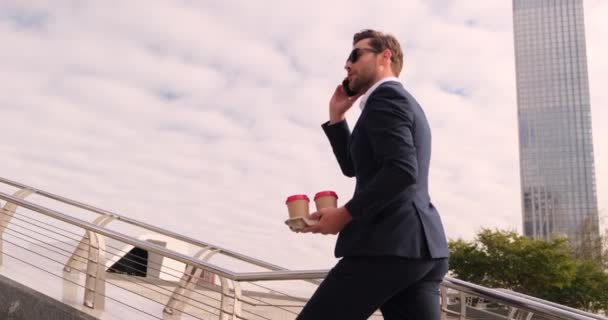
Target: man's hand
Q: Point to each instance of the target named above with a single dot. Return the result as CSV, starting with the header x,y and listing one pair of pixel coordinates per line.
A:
x,y
331,220
339,104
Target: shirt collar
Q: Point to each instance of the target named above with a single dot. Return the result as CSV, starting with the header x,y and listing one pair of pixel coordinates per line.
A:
x,y
373,88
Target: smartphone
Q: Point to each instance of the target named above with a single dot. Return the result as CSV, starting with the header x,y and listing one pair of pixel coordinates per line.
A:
x,y
347,89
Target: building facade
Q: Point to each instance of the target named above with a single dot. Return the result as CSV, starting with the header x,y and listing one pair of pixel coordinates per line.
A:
x,y
555,141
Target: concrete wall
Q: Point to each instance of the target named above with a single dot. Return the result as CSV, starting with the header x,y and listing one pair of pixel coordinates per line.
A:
x,y
18,302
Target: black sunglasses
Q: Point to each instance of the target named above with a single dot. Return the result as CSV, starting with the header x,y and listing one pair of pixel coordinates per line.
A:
x,y
357,53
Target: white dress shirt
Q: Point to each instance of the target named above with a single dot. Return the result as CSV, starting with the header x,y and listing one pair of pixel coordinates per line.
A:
x,y
373,88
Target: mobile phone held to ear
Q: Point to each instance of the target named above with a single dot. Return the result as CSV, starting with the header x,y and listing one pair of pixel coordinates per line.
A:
x,y
347,89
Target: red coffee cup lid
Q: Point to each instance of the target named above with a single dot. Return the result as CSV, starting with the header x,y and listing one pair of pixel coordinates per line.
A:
x,y
325,193
297,197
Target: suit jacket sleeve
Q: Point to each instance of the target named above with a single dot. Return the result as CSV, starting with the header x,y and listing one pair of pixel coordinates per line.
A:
x,y
338,135
389,126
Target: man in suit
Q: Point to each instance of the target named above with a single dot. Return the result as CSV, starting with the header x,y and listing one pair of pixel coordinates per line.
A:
x,y
391,240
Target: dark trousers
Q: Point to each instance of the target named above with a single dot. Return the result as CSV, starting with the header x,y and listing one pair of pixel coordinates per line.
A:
x,y
403,289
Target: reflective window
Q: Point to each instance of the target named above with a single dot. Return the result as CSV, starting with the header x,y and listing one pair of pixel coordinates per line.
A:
x,y
556,151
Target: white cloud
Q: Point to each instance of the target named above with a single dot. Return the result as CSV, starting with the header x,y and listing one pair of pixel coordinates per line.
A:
x,y
202,117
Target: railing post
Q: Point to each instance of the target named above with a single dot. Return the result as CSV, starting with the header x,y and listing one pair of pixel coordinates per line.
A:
x,y
95,284
187,282
444,303
8,211
463,306
226,311
83,247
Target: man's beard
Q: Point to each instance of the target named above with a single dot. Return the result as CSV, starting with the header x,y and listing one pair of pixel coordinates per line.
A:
x,y
363,81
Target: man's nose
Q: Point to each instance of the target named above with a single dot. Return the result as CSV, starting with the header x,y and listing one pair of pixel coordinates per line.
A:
x,y
347,65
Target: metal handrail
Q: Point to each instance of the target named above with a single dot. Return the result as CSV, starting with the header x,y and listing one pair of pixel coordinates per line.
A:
x,y
491,294
557,305
148,246
118,236
516,301
144,225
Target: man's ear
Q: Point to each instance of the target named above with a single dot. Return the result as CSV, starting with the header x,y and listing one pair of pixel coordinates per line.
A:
x,y
387,54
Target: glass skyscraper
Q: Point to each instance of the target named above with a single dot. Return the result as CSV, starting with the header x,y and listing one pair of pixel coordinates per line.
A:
x,y
555,141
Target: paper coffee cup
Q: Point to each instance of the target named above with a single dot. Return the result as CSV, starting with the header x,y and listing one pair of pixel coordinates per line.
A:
x,y
326,199
297,205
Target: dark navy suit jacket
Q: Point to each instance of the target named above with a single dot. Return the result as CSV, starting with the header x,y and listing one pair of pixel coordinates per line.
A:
x,y
388,152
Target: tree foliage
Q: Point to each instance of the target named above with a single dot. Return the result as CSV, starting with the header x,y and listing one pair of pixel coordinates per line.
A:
x,y
591,245
544,269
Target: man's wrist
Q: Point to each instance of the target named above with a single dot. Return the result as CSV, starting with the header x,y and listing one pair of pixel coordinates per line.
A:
x,y
333,119
345,214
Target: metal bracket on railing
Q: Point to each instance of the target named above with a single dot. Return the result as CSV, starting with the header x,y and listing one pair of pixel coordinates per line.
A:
x,y
516,314
188,281
228,312
8,211
83,247
95,284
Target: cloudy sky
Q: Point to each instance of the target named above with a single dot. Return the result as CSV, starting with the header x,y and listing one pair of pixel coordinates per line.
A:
x,y
202,116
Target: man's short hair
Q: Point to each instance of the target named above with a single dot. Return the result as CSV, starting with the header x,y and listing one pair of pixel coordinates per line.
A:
x,y
381,41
